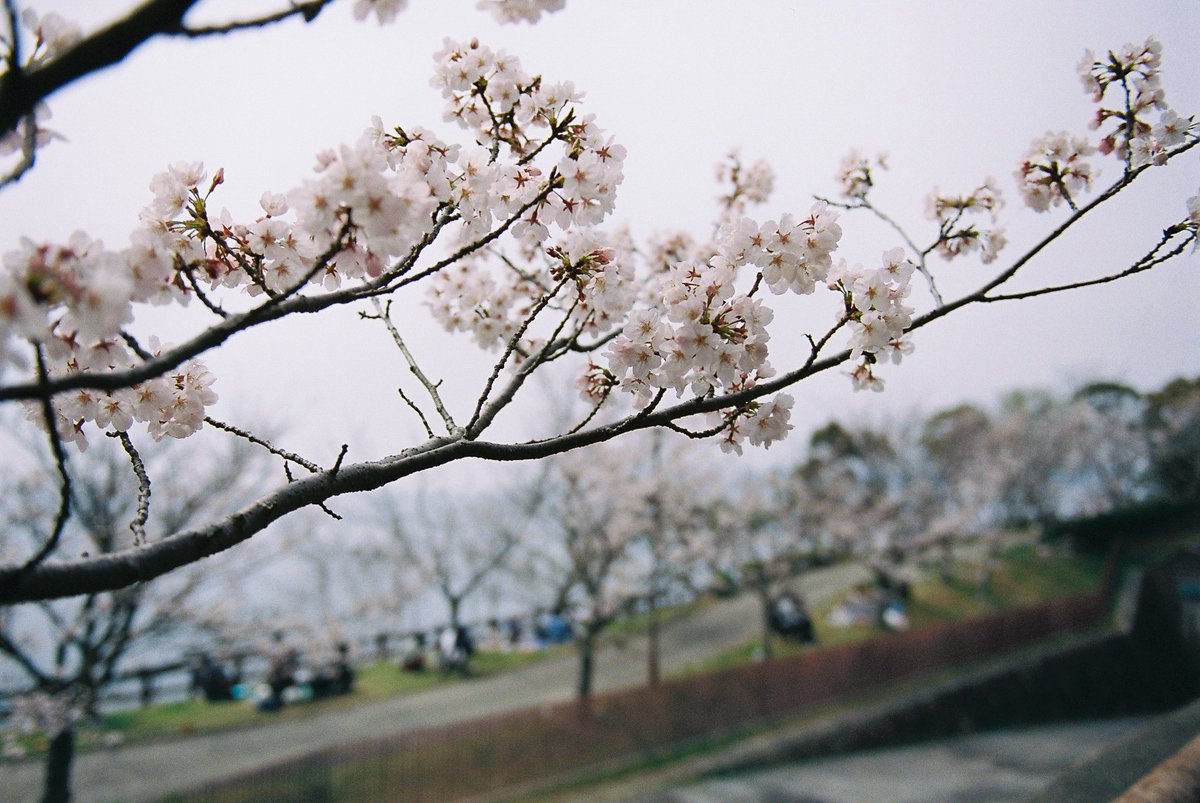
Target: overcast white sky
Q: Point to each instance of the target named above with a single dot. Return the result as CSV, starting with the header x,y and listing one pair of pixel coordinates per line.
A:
x,y
954,91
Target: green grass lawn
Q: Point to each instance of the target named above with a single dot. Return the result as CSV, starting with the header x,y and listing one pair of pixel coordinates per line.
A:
x,y
1025,575
374,681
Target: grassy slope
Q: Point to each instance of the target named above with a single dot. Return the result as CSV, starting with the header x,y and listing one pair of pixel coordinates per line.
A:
x,y
1025,576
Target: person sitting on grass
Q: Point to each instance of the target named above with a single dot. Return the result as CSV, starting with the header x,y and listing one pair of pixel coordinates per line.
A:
x,y
336,677
211,680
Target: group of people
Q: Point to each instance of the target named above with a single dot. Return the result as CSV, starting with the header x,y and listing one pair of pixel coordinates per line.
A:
x,y
286,677
882,604
450,649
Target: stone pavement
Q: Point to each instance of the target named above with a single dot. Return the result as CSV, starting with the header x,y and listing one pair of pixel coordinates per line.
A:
x,y
1106,774
151,771
996,767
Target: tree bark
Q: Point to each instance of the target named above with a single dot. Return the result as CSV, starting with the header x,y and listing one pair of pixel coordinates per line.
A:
x,y
653,631
764,598
587,660
57,787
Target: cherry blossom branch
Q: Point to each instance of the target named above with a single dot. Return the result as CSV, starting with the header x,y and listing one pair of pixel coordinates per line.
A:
x,y
53,579
920,264
1024,259
271,309
113,571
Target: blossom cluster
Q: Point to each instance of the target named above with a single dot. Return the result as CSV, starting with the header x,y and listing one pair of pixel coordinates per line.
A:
x,y
749,184
854,174
1054,170
878,316
598,266
1135,70
495,100
520,10
71,301
490,96
957,236
704,334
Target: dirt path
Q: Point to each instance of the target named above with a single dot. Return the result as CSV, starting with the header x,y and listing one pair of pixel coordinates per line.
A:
x,y
151,771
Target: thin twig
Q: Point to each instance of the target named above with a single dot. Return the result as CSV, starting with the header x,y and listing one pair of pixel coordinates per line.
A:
x,y
60,463
512,345
701,434
257,441
200,294
385,315
138,525
337,464
1147,262
309,10
587,419
487,239
418,411
922,268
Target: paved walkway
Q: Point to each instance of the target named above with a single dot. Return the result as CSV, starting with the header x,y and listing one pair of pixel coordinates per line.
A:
x,y
151,771
1007,765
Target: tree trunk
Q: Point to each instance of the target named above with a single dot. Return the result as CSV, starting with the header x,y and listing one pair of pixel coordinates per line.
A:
x,y
653,641
764,598
586,646
57,787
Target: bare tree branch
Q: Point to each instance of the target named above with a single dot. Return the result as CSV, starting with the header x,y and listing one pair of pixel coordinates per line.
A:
x,y
385,314
21,90
308,10
138,525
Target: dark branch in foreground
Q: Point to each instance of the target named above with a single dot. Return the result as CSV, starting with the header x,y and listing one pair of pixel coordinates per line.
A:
x,y
21,91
